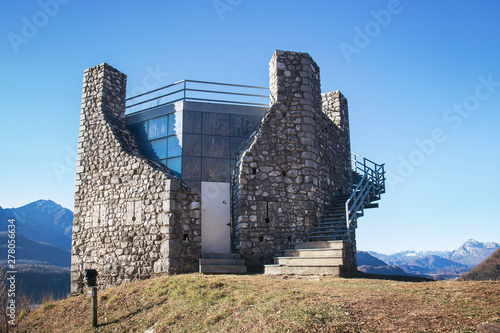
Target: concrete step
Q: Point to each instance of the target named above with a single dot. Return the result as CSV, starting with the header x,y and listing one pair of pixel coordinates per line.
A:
x,y
328,252
221,255
223,269
327,238
309,261
224,262
321,245
302,270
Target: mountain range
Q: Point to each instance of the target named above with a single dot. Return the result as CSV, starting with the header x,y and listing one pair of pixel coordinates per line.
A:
x,y
44,231
435,264
488,270
42,221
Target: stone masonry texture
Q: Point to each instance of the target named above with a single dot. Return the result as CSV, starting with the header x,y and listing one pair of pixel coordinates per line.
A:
x,y
132,216
293,165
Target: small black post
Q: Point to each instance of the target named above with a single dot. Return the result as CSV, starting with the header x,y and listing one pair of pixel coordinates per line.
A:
x,y
91,277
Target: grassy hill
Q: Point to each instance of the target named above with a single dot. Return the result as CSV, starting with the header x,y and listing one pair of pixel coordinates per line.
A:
x,y
258,303
488,270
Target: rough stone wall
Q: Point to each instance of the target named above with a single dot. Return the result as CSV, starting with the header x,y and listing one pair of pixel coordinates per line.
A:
x,y
294,164
132,216
335,144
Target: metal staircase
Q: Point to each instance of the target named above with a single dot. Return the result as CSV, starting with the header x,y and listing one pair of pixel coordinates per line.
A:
x,y
368,181
328,250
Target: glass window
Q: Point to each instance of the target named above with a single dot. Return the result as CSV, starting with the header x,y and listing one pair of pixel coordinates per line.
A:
x,y
175,123
192,122
174,164
236,144
147,149
216,123
139,130
191,145
215,146
191,168
157,127
216,170
242,125
174,145
159,149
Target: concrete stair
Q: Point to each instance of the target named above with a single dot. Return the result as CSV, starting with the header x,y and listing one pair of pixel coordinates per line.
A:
x,y
311,258
222,263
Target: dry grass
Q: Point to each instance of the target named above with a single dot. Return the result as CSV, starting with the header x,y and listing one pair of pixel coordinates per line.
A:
x,y
257,303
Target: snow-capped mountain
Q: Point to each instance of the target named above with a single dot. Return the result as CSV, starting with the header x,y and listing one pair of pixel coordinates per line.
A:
x,y
444,264
473,252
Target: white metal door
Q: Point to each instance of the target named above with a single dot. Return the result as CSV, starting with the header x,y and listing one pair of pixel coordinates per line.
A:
x,y
215,217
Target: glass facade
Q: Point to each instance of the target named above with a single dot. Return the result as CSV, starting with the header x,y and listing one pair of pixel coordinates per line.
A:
x,y
197,145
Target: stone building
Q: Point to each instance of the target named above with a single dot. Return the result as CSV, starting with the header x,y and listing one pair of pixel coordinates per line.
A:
x,y
216,185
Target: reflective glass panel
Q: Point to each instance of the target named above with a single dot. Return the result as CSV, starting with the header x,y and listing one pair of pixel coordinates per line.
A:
x,y
192,122
191,144
174,164
236,144
216,123
139,130
243,125
216,170
175,123
157,127
159,149
215,146
191,168
174,145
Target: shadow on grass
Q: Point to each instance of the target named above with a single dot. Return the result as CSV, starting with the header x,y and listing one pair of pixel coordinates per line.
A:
x,y
401,278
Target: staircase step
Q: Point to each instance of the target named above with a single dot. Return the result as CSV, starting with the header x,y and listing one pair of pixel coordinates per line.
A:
x,y
371,205
328,232
338,245
223,269
327,252
302,270
323,238
221,256
308,261
223,262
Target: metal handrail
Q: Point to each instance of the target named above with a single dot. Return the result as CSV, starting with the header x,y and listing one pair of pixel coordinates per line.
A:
x,y
372,184
185,89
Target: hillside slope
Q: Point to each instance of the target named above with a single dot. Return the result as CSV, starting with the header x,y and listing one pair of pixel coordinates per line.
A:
x,y
488,270
371,265
30,252
259,303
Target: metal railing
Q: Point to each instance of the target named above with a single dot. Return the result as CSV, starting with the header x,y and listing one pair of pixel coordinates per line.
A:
x,y
200,91
370,187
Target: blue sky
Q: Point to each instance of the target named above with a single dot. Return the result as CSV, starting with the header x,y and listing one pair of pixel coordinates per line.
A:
x,y
422,79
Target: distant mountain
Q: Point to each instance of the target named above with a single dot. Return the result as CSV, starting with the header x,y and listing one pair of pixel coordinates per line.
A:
x,y
473,252
488,270
371,265
434,266
366,259
42,221
440,264
29,252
